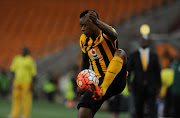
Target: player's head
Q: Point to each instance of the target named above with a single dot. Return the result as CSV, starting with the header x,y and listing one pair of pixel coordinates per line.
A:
x,y
86,11
25,51
144,43
87,26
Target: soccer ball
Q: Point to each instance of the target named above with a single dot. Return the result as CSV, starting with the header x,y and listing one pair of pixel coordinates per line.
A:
x,y
85,78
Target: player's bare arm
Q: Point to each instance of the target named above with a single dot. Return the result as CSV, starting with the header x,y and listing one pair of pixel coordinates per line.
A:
x,y
103,26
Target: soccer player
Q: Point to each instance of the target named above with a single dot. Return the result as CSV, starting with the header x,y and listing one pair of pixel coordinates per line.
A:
x,y
100,52
23,68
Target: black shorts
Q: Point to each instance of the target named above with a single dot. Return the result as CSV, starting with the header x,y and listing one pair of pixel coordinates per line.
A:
x,y
116,87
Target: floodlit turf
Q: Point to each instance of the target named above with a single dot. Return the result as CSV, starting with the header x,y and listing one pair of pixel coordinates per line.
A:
x,y
43,109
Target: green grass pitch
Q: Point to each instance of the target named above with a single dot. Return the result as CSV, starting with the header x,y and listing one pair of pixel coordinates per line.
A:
x,y
42,109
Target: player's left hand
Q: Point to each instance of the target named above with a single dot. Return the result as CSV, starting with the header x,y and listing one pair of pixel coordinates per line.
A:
x,y
92,15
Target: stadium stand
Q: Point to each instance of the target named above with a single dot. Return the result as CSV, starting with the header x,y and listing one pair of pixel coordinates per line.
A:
x,y
47,26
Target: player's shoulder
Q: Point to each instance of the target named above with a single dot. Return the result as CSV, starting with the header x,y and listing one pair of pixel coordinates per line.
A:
x,y
83,38
113,28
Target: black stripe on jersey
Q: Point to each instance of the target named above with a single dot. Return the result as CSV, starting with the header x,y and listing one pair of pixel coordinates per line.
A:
x,y
91,65
99,67
105,57
93,43
86,45
110,45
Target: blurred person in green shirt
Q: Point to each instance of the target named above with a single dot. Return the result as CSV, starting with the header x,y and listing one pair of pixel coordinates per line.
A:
x,y
49,86
4,83
23,68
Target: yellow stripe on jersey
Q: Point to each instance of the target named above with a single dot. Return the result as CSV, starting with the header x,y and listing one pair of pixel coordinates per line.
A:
x,y
108,51
101,64
100,52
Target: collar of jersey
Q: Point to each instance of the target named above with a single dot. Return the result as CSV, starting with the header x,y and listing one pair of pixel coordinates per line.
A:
x,y
97,39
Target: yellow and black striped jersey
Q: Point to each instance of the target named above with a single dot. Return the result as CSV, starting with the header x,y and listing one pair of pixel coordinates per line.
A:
x,y
100,52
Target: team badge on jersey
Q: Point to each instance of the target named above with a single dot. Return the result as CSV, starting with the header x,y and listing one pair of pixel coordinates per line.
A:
x,y
93,52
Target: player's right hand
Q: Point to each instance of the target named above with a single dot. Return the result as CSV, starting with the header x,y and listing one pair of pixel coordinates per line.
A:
x,y
79,92
97,91
92,15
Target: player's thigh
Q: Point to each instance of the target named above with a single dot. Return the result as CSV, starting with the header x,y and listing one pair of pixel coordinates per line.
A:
x,y
116,87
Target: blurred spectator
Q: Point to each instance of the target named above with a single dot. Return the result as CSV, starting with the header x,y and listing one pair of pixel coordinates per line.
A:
x,y
146,83
49,86
4,83
166,53
125,101
23,69
176,88
165,92
114,104
71,87
167,80
119,103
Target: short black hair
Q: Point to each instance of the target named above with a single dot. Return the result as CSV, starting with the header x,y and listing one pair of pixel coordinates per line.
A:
x,y
85,12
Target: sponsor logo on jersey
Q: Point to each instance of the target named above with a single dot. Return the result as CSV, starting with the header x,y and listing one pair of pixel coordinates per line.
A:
x,y
93,52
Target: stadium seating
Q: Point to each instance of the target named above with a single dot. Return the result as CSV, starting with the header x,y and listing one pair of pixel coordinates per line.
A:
x,y
49,26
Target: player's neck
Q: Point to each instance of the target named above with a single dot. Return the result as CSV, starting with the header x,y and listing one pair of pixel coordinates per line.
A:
x,y
96,34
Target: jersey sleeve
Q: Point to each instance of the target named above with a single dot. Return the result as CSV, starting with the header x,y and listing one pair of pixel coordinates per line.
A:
x,y
115,43
82,43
